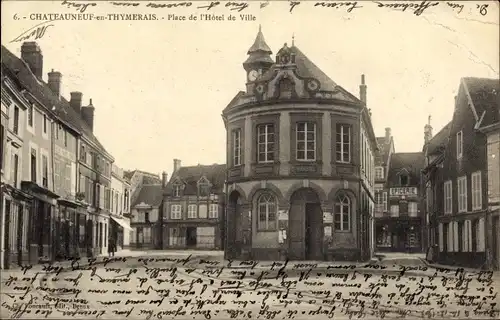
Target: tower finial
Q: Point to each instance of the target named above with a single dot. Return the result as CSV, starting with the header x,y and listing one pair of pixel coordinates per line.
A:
x,y
429,120
260,27
293,39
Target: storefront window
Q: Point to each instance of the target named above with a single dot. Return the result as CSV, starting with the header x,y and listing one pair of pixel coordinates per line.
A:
x,y
384,236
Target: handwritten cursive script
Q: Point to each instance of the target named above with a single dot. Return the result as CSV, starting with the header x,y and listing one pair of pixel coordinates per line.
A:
x,y
35,32
199,287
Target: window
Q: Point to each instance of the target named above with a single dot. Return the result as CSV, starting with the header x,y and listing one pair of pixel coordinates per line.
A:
x,y
447,197
146,217
459,144
203,189
2,135
175,211
45,124
58,128
467,236
384,201
395,210
342,221
107,198
403,179
33,165
266,207
462,194
16,120
477,197
237,147
379,173
30,116
213,212
412,209
45,172
306,141
480,240
15,169
65,135
192,211
343,142
177,190
441,237
83,154
265,143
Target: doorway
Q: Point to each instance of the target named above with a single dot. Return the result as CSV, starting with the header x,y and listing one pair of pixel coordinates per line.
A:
x,y
314,232
305,241
191,236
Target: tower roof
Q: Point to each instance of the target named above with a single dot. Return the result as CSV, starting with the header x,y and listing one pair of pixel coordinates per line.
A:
x,y
259,44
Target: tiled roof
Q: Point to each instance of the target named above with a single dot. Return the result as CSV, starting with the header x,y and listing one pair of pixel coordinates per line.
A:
x,y
439,141
150,194
259,44
215,173
148,177
413,162
41,91
486,98
306,69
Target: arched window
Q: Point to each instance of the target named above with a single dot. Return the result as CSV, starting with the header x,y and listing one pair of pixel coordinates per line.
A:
x,y
342,213
266,207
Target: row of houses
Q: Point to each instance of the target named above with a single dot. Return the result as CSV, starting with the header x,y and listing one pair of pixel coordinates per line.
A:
x,y
62,195
461,179
186,211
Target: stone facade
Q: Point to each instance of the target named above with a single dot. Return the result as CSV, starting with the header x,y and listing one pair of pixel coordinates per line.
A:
x,y
300,155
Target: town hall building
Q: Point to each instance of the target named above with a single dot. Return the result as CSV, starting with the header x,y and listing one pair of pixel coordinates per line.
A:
x,y
300,163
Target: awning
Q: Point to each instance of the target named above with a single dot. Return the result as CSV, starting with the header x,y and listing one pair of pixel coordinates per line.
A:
x,y
124,224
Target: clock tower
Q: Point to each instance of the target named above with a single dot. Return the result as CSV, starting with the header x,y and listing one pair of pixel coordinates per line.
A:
x,y
259,60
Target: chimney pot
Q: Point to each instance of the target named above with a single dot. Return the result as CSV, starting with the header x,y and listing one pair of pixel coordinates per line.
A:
x,y
76,101
54,82
87,114
164,179
177,164
387,135
362,89
32,55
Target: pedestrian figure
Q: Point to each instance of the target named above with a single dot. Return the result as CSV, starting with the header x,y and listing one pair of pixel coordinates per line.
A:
x,y
111,246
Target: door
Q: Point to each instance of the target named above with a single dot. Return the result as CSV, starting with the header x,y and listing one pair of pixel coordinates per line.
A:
x,y
191,236
314,231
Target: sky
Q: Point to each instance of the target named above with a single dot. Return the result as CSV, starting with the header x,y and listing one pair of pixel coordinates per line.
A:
x,y
159,87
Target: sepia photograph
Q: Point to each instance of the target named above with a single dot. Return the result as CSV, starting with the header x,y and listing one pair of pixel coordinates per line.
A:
x,y
260,159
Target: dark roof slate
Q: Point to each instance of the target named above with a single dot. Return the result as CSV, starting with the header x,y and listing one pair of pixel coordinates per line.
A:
x,y
41,91
439,141
215,173
485,98
413,162
150,194
305,69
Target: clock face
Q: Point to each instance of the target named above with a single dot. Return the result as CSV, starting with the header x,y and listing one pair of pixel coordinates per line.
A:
x,y
252,75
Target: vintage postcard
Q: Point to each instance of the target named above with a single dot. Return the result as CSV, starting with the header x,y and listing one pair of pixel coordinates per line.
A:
x,y
250,159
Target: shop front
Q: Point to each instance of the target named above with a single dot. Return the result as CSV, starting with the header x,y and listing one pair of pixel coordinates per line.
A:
x,y
118,227
43,218
401,235
70,230
17,212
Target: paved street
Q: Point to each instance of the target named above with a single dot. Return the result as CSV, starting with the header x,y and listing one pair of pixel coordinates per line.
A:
x,y
201,285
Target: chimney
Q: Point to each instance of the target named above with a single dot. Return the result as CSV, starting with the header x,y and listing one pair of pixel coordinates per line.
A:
x,y
177,165
428,131
55,82
76,101
387,135
88,115
362,89
32,55
164,179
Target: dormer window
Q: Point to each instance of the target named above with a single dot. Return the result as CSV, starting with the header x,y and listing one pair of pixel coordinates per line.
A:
x,y
177,188
285,88
403,179
203,187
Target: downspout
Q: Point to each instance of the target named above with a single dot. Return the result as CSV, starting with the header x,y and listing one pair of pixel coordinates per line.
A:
x,y
359,202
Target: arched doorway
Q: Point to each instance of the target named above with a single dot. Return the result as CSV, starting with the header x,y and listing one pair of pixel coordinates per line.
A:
x,y
234,230
305,226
